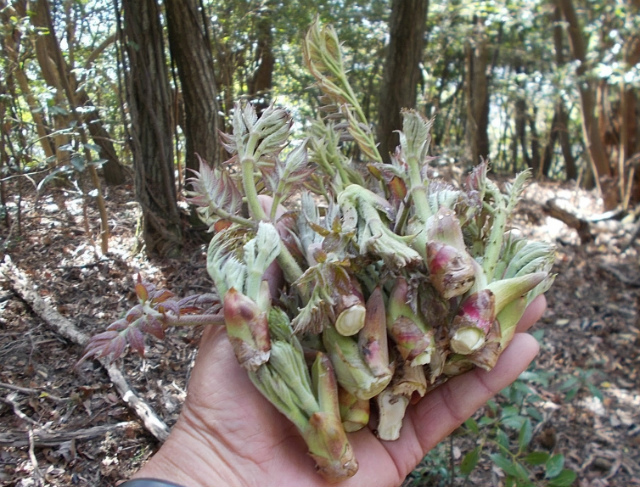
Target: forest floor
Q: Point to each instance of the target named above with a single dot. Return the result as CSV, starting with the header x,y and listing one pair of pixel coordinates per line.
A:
x,y
62,426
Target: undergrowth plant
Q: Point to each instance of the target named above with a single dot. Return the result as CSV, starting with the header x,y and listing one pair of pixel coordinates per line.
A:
x,y
504,436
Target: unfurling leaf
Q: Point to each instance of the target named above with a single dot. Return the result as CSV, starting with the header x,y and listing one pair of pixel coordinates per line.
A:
x,y
214,194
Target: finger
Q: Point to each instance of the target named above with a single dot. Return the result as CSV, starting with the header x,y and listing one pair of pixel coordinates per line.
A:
x,y
447,407
532,314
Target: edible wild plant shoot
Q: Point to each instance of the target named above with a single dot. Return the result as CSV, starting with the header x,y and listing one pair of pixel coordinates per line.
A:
x,y
390,282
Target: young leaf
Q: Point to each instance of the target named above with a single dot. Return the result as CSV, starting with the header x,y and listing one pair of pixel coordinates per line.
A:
x,y
595,391
554,466
215,195
537,458
514,190
525,434
472,425
470,461
564,479
506,464
259,253
534,413
502,439
290,173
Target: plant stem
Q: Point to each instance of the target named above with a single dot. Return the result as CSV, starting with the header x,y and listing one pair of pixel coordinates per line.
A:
x,y
195,320
418,190
250,192
492,250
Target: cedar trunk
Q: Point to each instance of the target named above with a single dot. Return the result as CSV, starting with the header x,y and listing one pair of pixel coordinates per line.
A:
x,y
477,94
560,123
11,50
260,82
54,68
407,25
191,51
151,127
600,163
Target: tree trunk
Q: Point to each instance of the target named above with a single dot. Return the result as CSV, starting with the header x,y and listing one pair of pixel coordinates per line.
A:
x,y
407,25
600,163
260,82
10,49
58,61
477,94
520,135
192,53
535,142
560,123
559,132
151,127
53,68
628,121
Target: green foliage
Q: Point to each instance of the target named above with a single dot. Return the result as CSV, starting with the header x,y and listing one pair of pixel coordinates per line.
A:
x,y
504,435
581,379
523,64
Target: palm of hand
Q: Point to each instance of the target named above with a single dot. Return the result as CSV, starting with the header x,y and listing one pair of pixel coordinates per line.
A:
x,y
228,434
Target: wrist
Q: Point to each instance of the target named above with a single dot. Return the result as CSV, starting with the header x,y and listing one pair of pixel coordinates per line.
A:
x,y
148,482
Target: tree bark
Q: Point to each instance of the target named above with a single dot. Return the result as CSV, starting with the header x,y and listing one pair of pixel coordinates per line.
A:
x,y
558,133
54,68
628,119
192,53
520,135
560,123
151,127
11,51
407,25
260,82
477,94
600,163
58,61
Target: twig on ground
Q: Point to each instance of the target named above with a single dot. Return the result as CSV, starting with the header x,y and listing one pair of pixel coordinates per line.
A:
x,y
621,276
10,400
42,438
37,474
28,390
86,266
24,288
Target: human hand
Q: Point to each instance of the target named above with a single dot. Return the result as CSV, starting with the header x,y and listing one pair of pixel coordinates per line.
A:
x,y
229,435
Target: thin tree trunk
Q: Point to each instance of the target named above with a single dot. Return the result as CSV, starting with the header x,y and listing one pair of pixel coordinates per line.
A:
x,y
260,82
407,25
560,123
57,73
535,142
151,127
520,136
11,52
477,91
571,168
600,163
192,53
43,8
628,120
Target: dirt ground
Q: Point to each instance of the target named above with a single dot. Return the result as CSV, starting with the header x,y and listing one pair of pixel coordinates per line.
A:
x,y
61,425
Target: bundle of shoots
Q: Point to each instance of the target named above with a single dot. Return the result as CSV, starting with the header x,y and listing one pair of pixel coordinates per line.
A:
x,y
390,282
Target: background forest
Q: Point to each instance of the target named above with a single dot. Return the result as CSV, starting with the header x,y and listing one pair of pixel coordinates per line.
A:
x,y
105,107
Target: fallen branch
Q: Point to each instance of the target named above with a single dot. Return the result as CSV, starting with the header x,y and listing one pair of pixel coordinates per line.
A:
x,y
580,225
24,288
621,276
28,390
41,438
37,474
